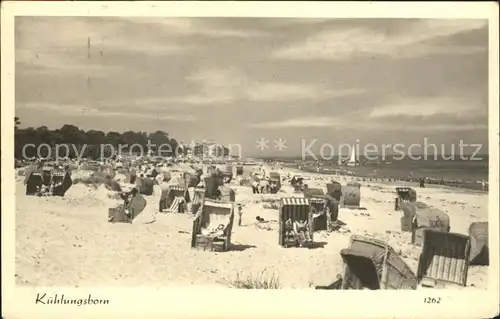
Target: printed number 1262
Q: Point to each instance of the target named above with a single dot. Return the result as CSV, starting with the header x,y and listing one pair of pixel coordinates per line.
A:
x,y
432,300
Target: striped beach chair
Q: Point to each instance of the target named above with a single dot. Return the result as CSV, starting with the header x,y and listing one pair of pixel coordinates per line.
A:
x,y
294,210
444,260
174,199
196,196
212,226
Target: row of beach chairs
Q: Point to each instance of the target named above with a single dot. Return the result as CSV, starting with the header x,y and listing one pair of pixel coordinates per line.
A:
x,y
48,182
368,263
444,261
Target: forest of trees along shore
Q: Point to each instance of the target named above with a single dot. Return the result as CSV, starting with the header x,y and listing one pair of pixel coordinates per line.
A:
x,y
89,142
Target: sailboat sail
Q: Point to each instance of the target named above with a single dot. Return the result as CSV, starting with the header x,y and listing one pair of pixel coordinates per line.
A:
x,y
352,160
353,156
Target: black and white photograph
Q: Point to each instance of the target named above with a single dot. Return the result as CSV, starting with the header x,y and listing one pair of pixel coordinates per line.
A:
x,y
248,152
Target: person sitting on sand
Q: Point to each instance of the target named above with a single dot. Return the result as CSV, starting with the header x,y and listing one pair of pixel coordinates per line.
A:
x,y
263,186
214,233
300,231
44,189
128,199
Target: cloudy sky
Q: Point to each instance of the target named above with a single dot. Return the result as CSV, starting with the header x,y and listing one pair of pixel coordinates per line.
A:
x,y
236,80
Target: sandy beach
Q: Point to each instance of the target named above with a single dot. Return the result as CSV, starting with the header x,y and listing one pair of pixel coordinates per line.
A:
x,y
69,242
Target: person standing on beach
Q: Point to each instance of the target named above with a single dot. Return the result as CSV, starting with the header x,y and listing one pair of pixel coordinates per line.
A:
x,y
422,182
240,212
133,175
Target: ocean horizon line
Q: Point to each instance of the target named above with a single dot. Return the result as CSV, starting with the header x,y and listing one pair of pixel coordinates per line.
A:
x,y
443,157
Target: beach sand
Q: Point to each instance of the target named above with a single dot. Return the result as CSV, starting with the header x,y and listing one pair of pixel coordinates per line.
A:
x,y
69,242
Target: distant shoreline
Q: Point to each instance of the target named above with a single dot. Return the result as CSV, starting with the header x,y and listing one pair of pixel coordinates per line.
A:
x,y
388,157
463,184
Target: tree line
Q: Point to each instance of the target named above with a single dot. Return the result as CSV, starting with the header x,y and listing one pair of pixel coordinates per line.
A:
x,y
85,143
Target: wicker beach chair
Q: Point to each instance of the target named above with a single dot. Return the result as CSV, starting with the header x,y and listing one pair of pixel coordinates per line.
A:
x,y
297,184
246,181
444,259
46,176
227,174
333,207
146,186
239,170
321,219
479,252
212,226
274,182
212,185
295,222
372,264
174,199
34,181
191,180
313,192
134,208
211,170
404,195
167,176
227,194
418,217
318,202
334,189
61,182
196,197
351,195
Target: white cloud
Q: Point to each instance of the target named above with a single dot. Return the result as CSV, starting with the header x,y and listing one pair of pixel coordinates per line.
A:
x,y
82,110
428,107
293,91
349,124
229,85
302,122
334,44
44,62
198,26
50,44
